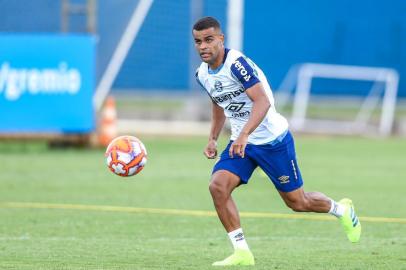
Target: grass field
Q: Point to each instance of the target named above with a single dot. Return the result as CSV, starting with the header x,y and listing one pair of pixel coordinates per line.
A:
x,y
54,214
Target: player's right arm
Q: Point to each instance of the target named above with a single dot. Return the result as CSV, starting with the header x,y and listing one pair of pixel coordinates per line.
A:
x,y
217,122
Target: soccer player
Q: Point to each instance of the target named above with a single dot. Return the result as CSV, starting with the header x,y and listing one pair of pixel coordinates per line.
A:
x,y
259,137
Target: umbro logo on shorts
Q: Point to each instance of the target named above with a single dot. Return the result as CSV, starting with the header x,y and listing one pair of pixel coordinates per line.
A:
x,y
283,179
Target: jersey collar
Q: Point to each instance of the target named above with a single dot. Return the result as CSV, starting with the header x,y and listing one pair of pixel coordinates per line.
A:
x,y
215,71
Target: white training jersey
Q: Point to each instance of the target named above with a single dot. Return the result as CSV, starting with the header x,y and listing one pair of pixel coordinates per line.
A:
x,y
226,86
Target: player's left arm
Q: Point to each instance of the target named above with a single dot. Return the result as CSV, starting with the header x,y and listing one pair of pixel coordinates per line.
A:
x,y
245,73
260,107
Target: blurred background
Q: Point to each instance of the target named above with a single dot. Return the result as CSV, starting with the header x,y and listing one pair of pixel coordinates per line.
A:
x,y
81,72
336,67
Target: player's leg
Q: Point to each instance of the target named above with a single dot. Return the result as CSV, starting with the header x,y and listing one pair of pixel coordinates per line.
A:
x,y
301,201
221,185
229,173
278,161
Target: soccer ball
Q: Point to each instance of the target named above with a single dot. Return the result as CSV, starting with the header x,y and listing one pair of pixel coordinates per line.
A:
x,y
126,156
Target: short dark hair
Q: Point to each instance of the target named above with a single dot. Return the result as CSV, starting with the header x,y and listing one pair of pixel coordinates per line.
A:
x,y
206,23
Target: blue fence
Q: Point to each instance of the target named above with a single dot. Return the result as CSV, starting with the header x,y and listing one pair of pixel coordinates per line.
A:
x,y
46,83
277,35
160,56
365,33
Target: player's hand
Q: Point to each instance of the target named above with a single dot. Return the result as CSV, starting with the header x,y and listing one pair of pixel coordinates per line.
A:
x,y
238,146
211,149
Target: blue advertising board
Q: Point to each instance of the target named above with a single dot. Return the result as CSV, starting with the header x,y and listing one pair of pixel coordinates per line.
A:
x,y
46,83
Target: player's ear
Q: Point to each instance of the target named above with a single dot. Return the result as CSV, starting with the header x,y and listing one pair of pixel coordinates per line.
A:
x,y
222,38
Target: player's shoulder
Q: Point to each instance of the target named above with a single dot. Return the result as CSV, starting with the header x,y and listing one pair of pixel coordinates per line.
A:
x,y
242,69
232,56
236,61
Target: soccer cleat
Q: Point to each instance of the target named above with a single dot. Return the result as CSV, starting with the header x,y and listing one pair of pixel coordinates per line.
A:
x,y
350,222
239,257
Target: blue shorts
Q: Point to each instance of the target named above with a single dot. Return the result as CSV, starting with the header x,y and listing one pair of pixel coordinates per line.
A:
x,y
277,159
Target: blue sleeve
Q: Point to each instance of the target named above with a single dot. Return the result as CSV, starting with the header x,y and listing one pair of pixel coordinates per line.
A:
x,y
244,73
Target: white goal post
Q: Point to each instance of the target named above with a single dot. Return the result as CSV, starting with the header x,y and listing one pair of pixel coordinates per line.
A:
x,y
120,53
302,76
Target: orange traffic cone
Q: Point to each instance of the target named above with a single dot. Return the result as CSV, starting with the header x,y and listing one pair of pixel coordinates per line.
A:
x,y
108,122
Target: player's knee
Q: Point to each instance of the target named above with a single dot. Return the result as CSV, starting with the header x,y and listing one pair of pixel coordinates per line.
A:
x,y
217,190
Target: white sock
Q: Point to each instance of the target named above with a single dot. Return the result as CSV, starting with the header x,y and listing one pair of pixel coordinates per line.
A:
x,y
336,209
238,240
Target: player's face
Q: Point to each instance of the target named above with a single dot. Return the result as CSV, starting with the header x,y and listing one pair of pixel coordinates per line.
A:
x,y
209,44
